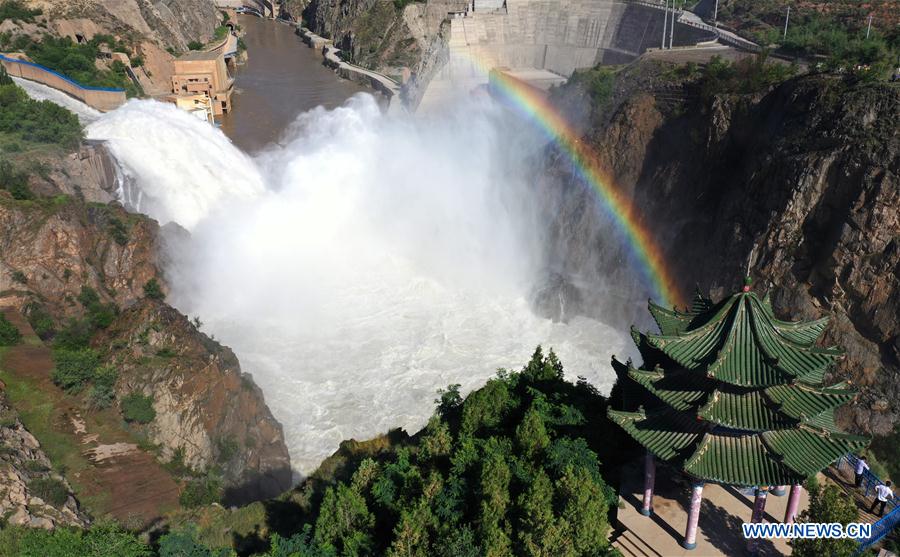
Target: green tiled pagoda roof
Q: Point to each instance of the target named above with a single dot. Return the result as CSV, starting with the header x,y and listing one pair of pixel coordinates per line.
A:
x,y
738,460
739,393
748,411
681,391
671,321
775,407
667,434
732,457
741,343
809,450
805,402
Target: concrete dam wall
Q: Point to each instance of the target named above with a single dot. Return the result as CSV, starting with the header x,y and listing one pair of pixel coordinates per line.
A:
x,y
559,36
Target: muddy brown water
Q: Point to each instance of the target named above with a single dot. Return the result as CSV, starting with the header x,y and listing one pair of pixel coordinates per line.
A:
x,y
282,79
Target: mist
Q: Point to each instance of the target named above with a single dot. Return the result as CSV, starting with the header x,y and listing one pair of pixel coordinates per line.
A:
x,y
362,262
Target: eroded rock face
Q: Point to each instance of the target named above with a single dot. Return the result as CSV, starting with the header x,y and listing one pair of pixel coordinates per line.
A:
x,y
53,247
152,27
805,177
22,464
208,413
206,409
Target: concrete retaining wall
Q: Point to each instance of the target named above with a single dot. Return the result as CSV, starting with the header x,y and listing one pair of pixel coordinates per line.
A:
x,y
96,97
379,82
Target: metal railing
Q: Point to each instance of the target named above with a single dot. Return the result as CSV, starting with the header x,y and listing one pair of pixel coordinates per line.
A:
x,y
885,524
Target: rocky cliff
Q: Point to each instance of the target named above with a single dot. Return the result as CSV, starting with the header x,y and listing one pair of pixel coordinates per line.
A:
x,y
206,409
803,180
153,29
26,474
379,35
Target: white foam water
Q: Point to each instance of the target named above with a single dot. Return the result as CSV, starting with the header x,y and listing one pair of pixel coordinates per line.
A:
x,y
360,264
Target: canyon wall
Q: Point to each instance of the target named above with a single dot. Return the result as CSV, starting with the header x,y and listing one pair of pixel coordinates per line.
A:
x,y
207,410
803,181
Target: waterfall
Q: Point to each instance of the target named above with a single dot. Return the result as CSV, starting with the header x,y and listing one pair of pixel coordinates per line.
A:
x,y
361,263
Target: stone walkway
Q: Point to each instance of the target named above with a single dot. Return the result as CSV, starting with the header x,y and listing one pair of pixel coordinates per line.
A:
x,y
724,510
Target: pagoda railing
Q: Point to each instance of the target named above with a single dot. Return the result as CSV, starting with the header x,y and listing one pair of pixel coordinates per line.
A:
x,y
885,524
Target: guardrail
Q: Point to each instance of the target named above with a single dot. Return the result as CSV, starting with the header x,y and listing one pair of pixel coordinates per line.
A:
x,y
723,36
885,524
101,98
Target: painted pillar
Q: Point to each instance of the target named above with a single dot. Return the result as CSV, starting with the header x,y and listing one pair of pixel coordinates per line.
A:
x,y
793,504
778,490
649,480
759,511
690,533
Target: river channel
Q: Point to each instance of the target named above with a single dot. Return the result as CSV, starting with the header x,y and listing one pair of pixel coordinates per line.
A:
x,y
282,78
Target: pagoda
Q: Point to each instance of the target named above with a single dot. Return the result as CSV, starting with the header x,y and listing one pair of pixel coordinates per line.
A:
x,y
735,396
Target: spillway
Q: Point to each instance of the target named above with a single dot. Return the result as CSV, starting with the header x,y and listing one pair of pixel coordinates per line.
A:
x,y
362,262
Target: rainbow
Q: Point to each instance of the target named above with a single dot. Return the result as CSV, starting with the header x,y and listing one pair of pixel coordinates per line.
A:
x,y
644,250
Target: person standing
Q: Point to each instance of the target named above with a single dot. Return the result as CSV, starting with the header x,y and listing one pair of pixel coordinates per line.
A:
x,y
882,494
861,467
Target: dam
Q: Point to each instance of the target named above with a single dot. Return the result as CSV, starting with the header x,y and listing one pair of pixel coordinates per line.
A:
x,y
546,38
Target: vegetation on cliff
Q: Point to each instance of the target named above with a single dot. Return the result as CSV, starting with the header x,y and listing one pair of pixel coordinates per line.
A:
x,y
24,120
833,32
514,468
78,61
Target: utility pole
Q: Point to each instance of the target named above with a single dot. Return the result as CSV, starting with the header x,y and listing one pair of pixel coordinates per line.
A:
x,y
869,28
672,32
665,24
716,14
787,18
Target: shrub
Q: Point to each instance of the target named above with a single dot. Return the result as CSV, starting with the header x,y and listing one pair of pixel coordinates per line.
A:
x,y
195,45
74,368
12,180
118,230
19,277
137,407
103,390
228,448
202,491
40,320
37,121
9,334
16,10
75,335
50,490
153,290
99,315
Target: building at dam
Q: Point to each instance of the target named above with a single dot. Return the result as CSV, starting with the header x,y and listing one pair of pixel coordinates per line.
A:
x,y
547,37
203,74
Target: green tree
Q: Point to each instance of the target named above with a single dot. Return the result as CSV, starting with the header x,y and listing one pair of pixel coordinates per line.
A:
x,y
74,368
137,407
827,504
184,543
153,290
495,498
9,334
531,434
541,534
344,522
584,509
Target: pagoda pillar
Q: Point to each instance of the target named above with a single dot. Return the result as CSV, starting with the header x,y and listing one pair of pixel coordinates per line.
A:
x,y
778,490
759,511
793,504
649,481
690,533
